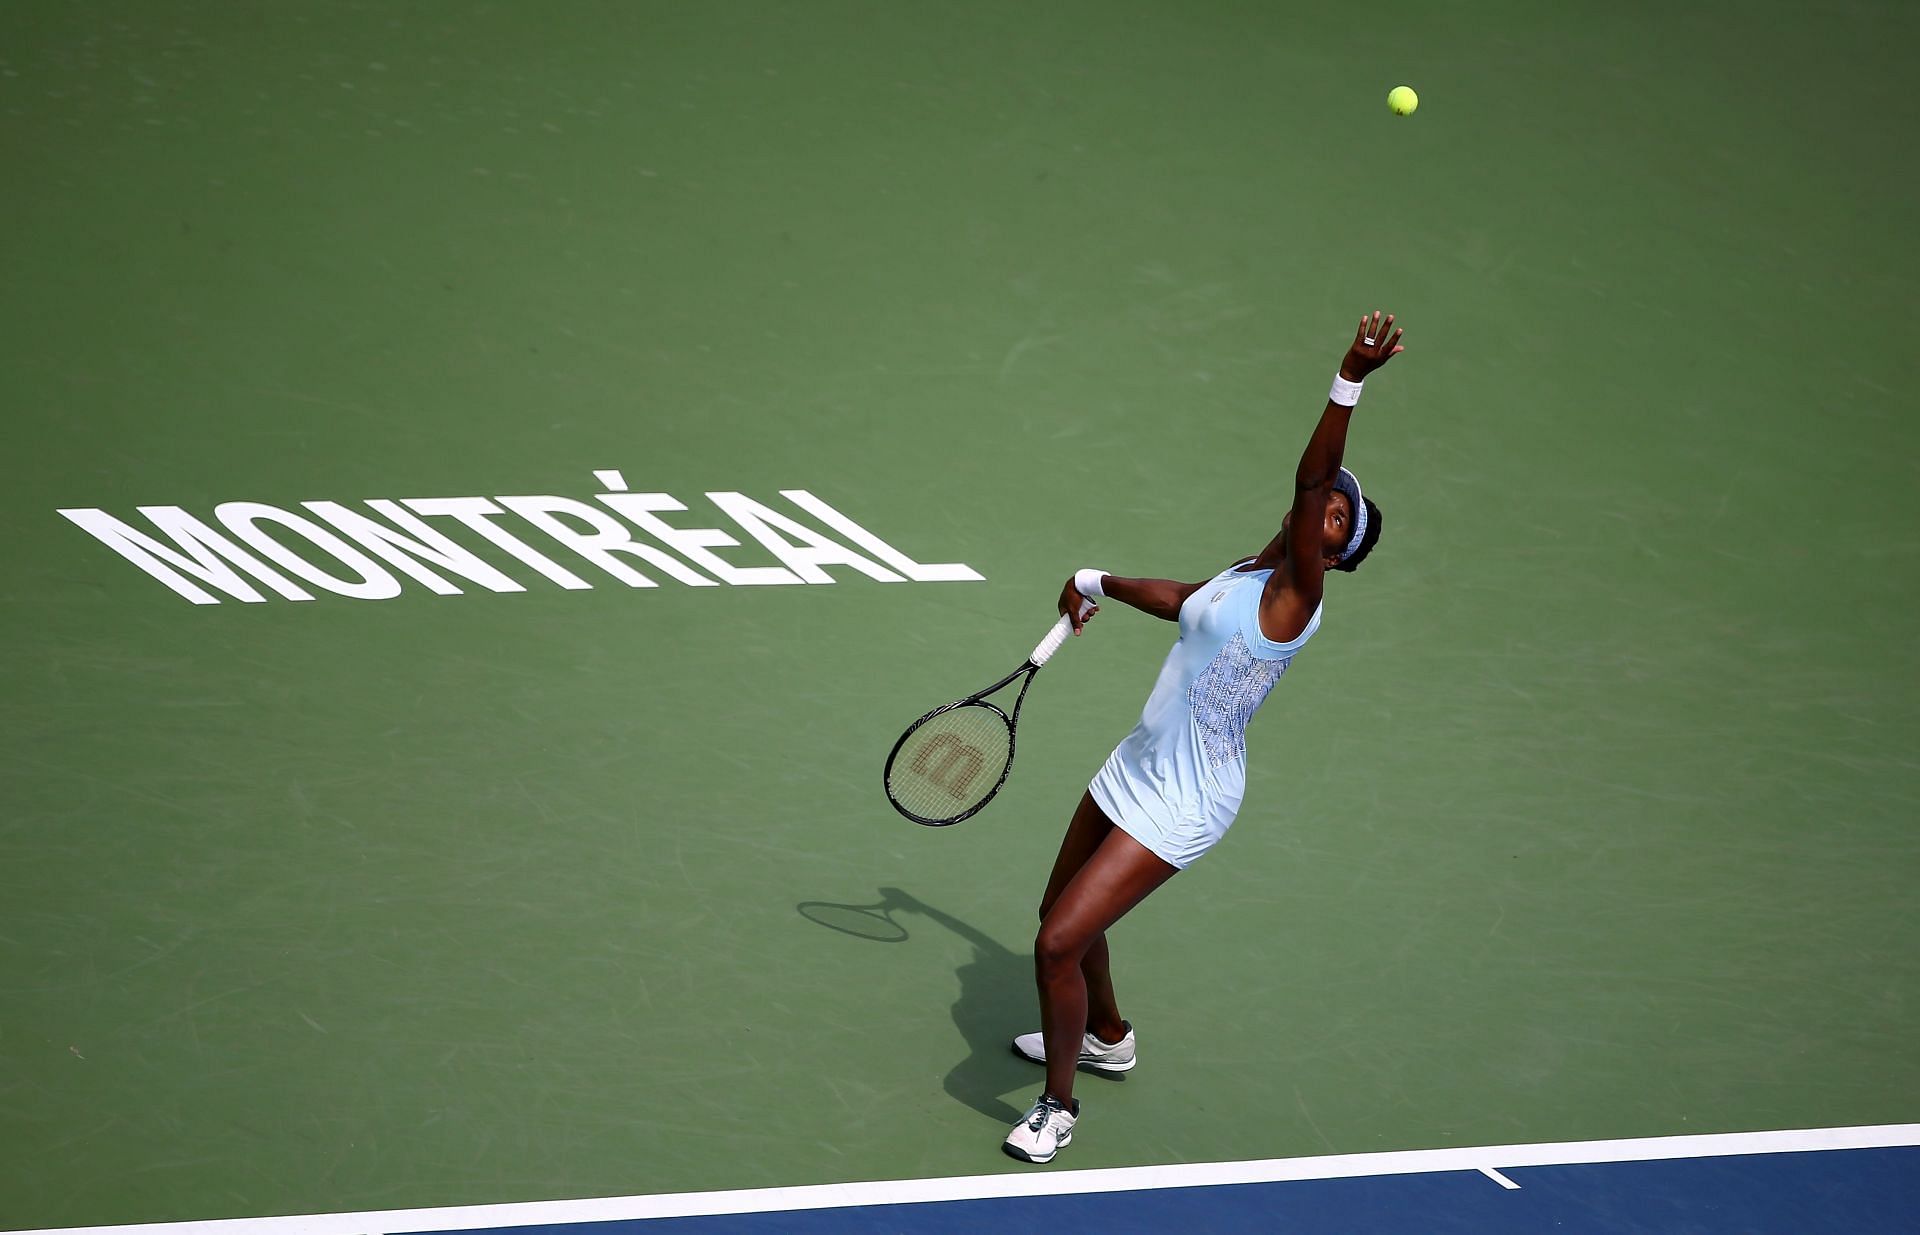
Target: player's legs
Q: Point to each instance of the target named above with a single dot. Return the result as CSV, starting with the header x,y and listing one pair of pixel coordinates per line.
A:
x,y
1085,831
1119,875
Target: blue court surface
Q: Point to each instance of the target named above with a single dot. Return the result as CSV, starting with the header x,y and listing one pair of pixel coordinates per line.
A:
x,y
1856,1180
1855,1190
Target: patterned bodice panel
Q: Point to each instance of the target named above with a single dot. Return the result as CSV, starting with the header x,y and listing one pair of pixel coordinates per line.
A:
x,y
1225,695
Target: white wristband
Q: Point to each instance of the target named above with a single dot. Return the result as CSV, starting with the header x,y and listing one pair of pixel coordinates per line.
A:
x,y
1086,581
1344,392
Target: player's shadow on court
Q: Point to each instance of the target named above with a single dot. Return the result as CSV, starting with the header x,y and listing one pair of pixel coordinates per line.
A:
x,y
996,998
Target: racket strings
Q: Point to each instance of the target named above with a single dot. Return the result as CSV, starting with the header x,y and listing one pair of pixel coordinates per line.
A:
x,y
952,763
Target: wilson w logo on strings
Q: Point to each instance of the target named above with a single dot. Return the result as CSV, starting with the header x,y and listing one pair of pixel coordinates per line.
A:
x,y
959,762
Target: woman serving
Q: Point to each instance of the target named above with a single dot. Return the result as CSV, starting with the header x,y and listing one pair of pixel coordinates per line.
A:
x,y
1171,788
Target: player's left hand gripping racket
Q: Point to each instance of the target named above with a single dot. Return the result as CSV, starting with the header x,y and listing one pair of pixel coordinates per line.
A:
x,y
950,762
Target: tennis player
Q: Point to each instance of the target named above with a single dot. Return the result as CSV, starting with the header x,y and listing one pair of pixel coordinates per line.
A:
x,y
1171,788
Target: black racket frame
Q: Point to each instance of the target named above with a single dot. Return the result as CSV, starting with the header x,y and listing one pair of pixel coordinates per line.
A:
x,y
976,700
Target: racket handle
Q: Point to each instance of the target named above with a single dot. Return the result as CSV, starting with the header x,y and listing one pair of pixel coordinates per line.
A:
x,y
1044,650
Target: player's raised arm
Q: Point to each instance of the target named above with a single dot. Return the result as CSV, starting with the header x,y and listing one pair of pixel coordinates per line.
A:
x,y
1160,597
1308,531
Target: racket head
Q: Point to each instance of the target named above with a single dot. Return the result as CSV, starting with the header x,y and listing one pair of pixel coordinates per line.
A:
x,y
950,763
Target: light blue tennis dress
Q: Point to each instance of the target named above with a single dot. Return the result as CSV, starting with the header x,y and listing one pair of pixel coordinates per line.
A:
x,y
1175,783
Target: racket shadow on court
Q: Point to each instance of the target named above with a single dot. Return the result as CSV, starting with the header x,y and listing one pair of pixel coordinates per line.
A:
x,y
996,999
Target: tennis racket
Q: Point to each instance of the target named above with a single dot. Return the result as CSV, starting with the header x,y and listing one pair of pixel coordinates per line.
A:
x,y
950,762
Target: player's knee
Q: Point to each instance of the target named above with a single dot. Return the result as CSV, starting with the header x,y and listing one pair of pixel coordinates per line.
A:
x,y
1056,949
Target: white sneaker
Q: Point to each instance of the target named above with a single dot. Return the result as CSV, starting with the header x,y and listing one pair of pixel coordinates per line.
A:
x,y
1046,1130
1095,1054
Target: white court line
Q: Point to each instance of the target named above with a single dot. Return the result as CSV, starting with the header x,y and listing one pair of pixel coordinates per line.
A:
x,y
1485,1158
1500,1179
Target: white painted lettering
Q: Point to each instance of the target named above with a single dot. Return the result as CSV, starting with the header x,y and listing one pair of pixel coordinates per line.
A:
x,y
203,547
405,551
694,544
804,550
369,549
243,520
607,537
931,572
475,512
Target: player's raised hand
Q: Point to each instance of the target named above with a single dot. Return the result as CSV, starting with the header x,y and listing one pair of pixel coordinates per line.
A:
x,y
1375,343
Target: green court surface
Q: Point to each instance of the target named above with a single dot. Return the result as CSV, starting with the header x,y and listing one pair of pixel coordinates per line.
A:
x,y
1588,814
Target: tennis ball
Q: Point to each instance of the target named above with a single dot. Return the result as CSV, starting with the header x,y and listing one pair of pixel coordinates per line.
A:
x,y
1401,100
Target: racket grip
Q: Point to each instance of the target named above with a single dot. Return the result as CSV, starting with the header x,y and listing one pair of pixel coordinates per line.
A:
x,y
1044,650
